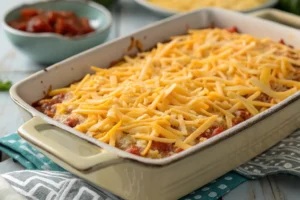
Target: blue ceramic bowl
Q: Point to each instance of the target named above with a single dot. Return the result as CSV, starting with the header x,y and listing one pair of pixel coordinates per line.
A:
x,y
49,48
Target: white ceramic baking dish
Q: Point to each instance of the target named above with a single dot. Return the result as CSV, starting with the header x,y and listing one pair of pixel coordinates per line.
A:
x,y
133,177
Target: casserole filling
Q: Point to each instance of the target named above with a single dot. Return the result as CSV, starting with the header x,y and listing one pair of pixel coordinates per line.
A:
x,y
180,93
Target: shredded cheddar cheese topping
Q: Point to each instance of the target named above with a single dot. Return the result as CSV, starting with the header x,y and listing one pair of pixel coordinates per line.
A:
x,y
182,91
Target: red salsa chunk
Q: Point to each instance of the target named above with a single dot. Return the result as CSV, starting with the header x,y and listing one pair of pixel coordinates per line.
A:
x,y
213,131
48,105
232,29
134,150
71,121
65,23
162,147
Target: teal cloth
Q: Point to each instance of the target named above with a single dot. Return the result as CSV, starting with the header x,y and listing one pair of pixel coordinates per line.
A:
x,y
30,158
18,149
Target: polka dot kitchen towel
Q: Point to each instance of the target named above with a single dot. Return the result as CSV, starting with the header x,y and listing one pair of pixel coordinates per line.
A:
x,y
282,158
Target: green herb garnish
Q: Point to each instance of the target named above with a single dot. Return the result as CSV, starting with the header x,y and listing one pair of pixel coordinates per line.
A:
x,y
4,86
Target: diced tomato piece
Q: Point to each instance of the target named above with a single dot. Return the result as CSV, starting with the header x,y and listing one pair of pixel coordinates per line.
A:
x,y
86,26
281,41
52,17
38,24
19,25
61,22
178,150
72,27
217,131
29,12
59,26
232,29
134,150
162,147
71,121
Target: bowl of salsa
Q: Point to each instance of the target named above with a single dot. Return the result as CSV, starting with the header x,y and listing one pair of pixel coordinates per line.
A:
x,y
65,23
51,31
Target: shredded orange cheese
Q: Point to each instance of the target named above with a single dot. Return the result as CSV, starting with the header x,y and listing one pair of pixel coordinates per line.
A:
x,y
176,92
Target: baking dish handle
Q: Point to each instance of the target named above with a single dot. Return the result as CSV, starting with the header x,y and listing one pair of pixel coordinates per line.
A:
x,y
42,135
279,16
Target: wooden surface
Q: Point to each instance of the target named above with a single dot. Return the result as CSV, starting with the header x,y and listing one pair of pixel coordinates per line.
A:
x,y
128,17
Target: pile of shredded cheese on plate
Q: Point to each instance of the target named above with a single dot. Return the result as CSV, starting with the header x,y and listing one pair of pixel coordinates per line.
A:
x,y
181,92
187,5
